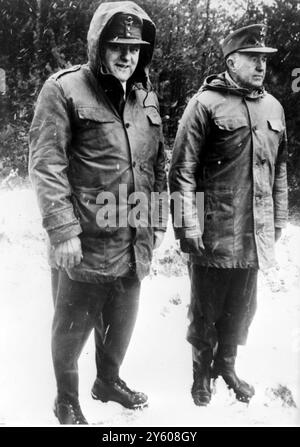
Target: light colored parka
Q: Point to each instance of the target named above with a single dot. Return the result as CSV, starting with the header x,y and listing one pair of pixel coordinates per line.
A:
x,y
80,146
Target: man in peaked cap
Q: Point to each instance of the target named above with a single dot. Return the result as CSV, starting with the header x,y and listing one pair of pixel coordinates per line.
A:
x,y
231,146
249,39
97,129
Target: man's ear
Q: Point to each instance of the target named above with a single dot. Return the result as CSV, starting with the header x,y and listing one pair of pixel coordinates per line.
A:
x,y
230,64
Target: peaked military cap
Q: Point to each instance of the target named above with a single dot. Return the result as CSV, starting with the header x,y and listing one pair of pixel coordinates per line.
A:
x,y
125,29
249,39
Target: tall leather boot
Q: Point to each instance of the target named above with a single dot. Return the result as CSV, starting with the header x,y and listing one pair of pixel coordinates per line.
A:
x,y
201,391
224,366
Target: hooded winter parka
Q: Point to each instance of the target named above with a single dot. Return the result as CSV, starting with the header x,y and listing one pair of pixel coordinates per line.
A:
x,y
80,146
231,145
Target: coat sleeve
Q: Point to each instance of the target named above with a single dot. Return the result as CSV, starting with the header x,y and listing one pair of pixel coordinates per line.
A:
x,y
160,188
190,141
160,203
280,187
49,138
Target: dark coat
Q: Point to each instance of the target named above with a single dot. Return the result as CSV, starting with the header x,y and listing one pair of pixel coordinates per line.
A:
x,y
231,145
81,145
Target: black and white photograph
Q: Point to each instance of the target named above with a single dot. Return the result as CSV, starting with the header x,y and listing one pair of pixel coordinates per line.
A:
x,y
150,215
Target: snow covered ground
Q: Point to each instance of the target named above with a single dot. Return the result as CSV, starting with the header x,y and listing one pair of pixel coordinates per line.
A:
x,y
158,361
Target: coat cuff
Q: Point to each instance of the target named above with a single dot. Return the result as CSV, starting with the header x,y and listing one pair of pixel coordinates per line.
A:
x,y
62,226
163,229
280,223
64,233
183,233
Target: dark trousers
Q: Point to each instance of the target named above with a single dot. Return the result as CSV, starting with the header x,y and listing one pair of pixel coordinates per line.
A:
x,y
109,308
223,304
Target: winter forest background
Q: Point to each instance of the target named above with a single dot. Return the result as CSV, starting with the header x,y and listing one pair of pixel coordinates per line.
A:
x,y
40,37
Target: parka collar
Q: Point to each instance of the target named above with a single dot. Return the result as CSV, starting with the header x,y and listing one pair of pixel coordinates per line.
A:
x,y
224,82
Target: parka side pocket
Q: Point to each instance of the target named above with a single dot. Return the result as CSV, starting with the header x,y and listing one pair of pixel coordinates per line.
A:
x,y
218,236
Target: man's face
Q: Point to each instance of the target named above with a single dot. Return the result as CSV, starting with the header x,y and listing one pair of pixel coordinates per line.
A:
x,y
121,60
250,69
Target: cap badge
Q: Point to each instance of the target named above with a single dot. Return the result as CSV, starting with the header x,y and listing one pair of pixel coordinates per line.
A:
x,y
128,24
262,36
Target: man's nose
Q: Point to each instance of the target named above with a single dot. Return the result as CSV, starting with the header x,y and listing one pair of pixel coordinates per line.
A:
x,y
260,65
125,53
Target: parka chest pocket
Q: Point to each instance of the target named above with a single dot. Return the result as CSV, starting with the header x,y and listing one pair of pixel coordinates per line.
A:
x,y
276,125
274,135
92,117
153,116
230,124
228,137
154,132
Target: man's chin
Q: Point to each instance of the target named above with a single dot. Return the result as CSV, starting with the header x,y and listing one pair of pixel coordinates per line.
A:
x,y
122,77
258,83
254,85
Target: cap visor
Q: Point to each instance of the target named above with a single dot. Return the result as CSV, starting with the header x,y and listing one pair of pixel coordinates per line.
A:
x,y
128,41
258,50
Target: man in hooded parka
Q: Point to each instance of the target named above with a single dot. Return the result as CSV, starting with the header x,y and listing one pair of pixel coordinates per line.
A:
x,y
96,133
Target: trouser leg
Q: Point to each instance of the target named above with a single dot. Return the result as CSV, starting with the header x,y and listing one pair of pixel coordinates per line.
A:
x,y
54,283
208,293
76,307
207,299
223,304
233,327
113,332
239,308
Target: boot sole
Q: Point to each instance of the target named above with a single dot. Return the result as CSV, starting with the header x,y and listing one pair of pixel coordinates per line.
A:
x,y
130,407
239,396
202,404
56,415
202,400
